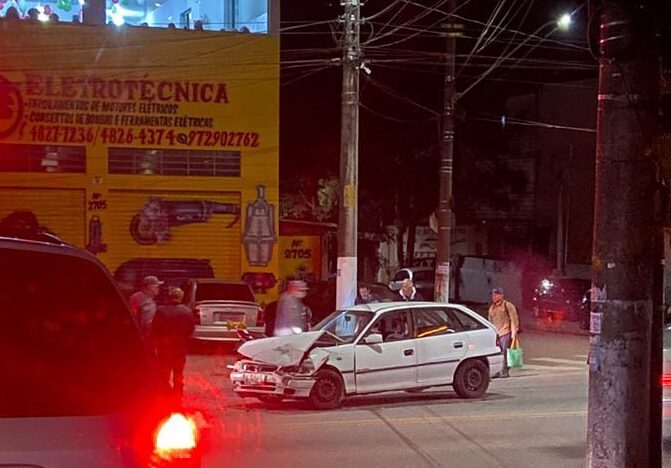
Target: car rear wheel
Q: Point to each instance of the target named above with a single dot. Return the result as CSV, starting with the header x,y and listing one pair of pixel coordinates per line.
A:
x,y
471,379
328,391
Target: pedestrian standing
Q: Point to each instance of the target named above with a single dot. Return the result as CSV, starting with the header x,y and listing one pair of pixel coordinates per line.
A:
x,y
365,296
143,303
170,332
292,314
409,292
503,314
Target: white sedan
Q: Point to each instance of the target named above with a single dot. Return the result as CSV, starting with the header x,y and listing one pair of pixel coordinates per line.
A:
x,y
373,348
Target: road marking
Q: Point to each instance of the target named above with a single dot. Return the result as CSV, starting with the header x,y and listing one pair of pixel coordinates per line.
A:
x,y
423,420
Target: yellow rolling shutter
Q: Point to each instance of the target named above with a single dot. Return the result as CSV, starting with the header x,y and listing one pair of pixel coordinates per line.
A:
x,y
63,211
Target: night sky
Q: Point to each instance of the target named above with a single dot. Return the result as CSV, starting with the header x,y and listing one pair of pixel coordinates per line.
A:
x,y
401,100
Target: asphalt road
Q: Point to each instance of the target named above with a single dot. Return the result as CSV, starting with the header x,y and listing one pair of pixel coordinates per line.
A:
x,y
536,418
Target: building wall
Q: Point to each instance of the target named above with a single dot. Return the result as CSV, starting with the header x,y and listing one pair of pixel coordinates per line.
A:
x,y
177,133
560,153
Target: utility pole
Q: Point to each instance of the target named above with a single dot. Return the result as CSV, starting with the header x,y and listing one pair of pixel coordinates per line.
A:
x,y
444,213
349,158
623,368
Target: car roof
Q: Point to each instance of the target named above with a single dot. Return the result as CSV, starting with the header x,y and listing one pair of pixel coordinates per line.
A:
x,y
44,246
217,281
380,307
414,269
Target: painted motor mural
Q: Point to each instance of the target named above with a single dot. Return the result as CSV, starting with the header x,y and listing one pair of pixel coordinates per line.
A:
x,y
152,224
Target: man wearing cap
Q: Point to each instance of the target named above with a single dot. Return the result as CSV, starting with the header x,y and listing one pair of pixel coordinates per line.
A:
x,y
170,332
292,315
142,303
503,314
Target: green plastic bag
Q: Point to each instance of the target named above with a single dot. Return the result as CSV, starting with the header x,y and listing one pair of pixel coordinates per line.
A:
x,y
515,354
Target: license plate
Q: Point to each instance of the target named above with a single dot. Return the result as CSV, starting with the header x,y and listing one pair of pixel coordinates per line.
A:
x,y
254,379
231,325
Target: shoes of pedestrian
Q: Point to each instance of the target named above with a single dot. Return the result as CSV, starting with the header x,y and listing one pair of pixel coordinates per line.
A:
x,y
505,375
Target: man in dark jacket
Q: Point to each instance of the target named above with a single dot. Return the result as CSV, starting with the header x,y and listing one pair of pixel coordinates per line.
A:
x,y
170,332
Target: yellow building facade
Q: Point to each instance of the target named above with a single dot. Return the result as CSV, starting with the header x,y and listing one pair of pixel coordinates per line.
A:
x,y
154,149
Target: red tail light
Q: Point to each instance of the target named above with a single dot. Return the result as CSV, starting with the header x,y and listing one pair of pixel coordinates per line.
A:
x,y
666,380
196,315
176,437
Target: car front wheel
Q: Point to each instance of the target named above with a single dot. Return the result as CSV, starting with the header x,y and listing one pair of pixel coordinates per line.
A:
x,y
328,391
471,379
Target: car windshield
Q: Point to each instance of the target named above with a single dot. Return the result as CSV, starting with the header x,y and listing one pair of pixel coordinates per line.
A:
x,y
222,291
345,324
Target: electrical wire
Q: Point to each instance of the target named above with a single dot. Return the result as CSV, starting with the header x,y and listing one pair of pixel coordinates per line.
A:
x,y
534,123
416,18
395,94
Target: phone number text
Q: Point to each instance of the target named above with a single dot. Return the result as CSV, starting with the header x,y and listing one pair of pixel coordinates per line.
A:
x,y
148,136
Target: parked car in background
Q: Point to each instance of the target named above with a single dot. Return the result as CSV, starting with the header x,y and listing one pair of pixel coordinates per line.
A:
x,y
220,308
666,383
423,278
81,385
562,298
372,348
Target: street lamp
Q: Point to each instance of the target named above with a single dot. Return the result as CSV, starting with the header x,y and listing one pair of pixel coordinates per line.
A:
x,y
564,23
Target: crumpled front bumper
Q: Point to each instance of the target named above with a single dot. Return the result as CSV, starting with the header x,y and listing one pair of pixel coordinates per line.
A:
x,y
256,382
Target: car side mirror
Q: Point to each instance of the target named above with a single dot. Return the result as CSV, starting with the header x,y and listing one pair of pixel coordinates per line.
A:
x,y
373,338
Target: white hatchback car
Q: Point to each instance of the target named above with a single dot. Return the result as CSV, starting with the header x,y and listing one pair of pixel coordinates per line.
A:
x,y
372,348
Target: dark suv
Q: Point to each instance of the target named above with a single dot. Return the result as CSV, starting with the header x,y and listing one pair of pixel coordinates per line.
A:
x,y
562,298
79,384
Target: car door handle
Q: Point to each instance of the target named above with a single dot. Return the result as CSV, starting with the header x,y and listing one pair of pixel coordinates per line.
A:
x,y
408,352
458,344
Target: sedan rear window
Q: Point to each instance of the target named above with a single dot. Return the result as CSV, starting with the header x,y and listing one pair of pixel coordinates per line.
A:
x,y
68,345
224,292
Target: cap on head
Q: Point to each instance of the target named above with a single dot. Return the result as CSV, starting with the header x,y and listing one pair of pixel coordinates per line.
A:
x,y
497,291
150,281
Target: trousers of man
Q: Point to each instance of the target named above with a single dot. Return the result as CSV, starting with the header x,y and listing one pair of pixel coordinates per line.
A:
x,y
171,362
504,341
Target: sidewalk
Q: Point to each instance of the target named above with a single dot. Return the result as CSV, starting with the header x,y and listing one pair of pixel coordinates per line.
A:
x,y
528,322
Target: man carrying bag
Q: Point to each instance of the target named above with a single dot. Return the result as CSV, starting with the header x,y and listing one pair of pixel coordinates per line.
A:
x,y
503,314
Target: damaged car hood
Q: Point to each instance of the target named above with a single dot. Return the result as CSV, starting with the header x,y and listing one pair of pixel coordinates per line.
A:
x,y
284,351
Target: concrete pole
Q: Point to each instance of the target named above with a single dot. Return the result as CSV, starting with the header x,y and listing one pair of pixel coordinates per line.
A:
x,y
346,280
620,412
444,213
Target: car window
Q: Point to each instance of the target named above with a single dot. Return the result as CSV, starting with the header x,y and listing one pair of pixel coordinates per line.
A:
x,y
393,326
345,324
575,286
467,322
435,321
68,344
224,291
401,275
